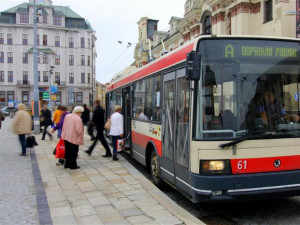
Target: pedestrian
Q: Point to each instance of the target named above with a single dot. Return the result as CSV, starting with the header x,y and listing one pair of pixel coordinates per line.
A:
x,y
46,122
85,115
98,121
2,117
116,129
59,127
72,134
21,125
56,118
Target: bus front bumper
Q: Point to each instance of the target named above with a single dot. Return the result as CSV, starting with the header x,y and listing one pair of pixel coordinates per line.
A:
x,y
245,186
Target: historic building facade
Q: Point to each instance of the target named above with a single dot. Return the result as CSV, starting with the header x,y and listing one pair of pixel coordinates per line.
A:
x,y
100,93
66,46
219,17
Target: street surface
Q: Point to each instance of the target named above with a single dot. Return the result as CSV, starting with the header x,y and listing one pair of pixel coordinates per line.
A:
x,y
18,203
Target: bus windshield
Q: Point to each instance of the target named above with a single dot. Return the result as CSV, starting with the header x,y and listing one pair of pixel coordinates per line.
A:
x,y
247,86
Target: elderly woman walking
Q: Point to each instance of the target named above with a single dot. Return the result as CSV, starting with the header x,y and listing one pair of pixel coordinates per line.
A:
x,y
72,134
21,125
116,129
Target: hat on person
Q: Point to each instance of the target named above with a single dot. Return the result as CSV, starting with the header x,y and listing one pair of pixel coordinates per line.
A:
x,y
78,109
21,106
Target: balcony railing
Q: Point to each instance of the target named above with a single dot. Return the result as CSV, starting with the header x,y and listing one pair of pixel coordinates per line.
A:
x,y
23,82
60,83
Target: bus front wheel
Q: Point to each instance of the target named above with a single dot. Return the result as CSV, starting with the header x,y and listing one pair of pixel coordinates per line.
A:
x,y
154,166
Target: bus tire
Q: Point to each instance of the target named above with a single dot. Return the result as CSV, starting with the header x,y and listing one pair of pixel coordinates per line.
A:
x,y
155,170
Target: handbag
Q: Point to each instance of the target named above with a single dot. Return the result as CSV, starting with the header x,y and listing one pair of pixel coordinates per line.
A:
x,y
60,149
120,145
107,124
31,142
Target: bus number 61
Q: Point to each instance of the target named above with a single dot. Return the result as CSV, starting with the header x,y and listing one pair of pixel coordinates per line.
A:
x,y
242,165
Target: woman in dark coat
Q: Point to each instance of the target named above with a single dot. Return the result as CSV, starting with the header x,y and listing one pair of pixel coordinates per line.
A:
x,y
46,122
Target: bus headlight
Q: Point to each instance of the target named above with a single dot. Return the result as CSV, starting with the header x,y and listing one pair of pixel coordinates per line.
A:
x,y
215,166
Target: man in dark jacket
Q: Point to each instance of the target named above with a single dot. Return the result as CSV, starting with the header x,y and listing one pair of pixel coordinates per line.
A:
x,y
46,122
85,116
98,121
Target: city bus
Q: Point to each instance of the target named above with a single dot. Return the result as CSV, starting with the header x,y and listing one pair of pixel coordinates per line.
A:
x,y
217,118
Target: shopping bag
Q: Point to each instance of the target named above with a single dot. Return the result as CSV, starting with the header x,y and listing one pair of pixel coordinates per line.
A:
x,y
60,149
120,145
107,124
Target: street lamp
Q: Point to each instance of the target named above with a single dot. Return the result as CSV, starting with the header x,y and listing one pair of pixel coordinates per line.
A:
x,y
50,72
36,113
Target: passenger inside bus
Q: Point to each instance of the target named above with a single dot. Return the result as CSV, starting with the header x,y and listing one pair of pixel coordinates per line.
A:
x,y
141,114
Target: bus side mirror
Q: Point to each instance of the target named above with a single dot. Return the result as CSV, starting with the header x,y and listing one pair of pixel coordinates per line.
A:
x,y
193,66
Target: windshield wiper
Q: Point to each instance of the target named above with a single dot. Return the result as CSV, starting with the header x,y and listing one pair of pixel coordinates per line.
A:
x,y
267,135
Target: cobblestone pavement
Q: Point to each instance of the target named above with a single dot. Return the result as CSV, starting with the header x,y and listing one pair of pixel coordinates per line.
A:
x,y
18,203
103,191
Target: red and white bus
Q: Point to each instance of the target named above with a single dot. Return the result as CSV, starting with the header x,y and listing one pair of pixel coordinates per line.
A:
x,y
217,118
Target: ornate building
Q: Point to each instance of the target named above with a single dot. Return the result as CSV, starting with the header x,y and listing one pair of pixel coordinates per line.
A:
x,y
219,17
66,42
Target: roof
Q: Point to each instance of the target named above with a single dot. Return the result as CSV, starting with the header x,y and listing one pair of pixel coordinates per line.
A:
x,y
58,10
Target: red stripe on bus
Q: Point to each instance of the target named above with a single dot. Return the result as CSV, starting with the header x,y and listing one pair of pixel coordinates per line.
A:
x,y
142,140
271,164
156,66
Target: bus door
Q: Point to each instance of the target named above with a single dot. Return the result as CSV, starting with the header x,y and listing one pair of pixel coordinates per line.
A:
x,y
127,117
175,160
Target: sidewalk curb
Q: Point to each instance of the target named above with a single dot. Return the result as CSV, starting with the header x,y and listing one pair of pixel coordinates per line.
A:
x,y
161,197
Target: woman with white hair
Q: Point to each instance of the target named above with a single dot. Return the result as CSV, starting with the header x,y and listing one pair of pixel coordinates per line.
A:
x,y
72,134
21,125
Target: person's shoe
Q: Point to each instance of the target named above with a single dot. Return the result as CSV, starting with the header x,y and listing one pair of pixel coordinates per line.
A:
x,y
93,138
22,154
89,152
115,158
43,139
78,167
106,155
59,164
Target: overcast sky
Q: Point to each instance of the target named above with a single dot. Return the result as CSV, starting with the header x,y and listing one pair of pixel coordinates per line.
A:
x,y
113,21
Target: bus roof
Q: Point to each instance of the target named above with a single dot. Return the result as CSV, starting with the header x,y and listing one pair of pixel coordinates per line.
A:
x,y
131,74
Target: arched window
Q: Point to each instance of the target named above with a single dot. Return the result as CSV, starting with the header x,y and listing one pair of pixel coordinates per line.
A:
x,y
206,25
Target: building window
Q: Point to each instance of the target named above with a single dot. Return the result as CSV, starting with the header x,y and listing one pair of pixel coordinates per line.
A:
x,y
9,39
89,43
57,20
82,42
25,96
78,98
45,18
44,40
57,77
39,76
25,57
2,98
25,39
82,78
10,76
71,78
268,12
10,96
57,41
58,98
82,60
89,78
25,77
89,60
2,39
45,59
1,57
10,58
71,60
38,39
71,42
1,76
45,76
206,25
57,60
24,18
